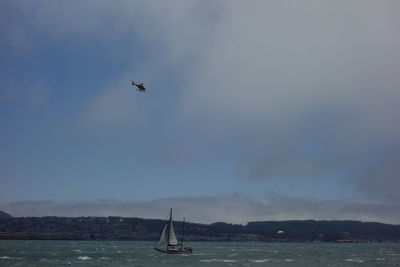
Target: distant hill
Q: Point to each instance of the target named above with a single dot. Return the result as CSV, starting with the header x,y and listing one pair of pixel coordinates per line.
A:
x,y
122,228
4,215
328,230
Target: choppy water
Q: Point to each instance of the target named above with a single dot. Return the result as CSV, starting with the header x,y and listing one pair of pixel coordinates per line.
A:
x,y
132,253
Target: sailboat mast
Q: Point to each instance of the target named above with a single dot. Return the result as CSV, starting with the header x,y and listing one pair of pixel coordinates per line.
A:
x,y
169,226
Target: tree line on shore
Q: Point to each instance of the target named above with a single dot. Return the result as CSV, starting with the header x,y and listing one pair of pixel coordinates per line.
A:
x,y
123,228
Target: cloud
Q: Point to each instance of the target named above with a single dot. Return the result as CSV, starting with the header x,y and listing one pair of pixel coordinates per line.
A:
x,y
209,209
382,177
306,89
300,90
179,25
288,67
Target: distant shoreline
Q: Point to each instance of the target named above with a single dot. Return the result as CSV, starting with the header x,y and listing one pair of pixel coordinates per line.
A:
x,y
137,229
18,236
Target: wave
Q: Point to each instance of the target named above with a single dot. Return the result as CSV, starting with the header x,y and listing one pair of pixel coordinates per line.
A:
x,y
218,260
355,260
84,258
9,258
261,260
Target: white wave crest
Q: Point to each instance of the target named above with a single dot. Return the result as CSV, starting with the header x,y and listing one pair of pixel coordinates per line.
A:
x,y
218,260
261,260
84,258
355,260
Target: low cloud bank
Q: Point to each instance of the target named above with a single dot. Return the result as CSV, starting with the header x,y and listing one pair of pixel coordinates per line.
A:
x,y
209,209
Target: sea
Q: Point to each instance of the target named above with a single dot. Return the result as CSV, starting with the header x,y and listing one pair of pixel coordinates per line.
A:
x,y
134,253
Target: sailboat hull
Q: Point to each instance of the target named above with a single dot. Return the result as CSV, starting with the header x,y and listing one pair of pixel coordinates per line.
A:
x,y
175,251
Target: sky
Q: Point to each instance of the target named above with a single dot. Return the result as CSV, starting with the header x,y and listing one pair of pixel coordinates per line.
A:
x,y
255,110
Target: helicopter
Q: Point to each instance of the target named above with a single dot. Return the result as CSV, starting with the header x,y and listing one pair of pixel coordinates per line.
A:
x,y
140,86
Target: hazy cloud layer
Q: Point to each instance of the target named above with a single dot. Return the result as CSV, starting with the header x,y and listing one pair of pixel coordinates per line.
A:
x,y
306,90
231,209
278,89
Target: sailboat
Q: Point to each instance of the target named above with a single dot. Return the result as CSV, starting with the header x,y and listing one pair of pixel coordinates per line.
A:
x,y
169,243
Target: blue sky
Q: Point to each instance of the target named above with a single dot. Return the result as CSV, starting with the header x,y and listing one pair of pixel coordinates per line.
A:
x,y
246,103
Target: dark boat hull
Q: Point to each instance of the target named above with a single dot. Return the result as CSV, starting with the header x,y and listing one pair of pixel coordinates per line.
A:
x,y
175,251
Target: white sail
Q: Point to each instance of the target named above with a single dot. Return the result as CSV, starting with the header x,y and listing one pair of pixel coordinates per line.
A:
x,y
172,236
163,238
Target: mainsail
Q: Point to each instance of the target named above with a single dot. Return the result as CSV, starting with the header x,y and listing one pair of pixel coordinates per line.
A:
x,y
172,240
